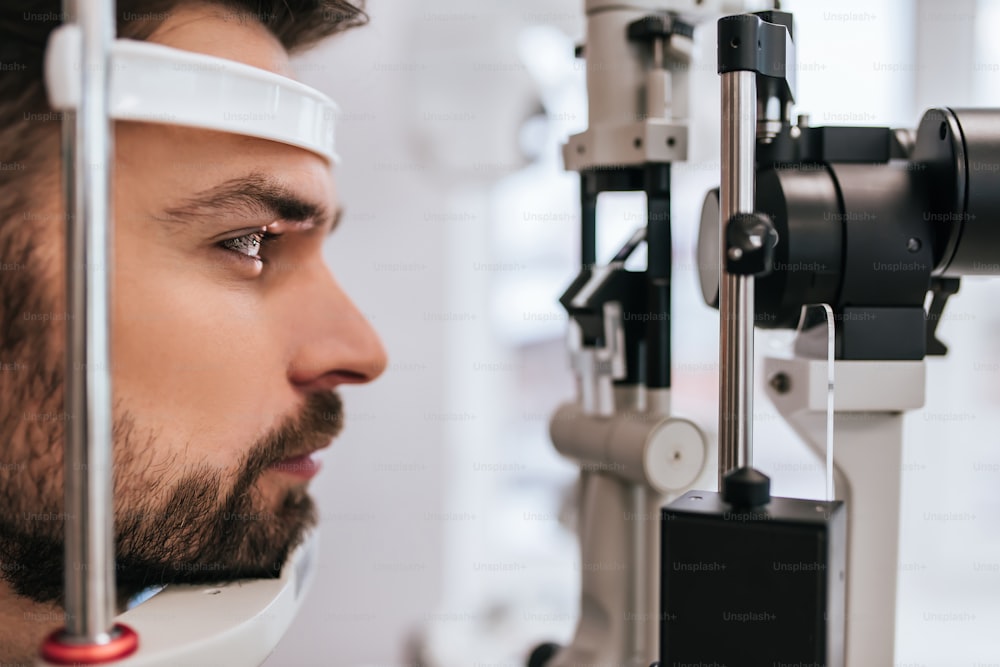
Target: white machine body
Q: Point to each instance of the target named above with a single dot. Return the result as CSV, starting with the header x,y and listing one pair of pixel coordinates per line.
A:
x,y
870,399
638,109
631,463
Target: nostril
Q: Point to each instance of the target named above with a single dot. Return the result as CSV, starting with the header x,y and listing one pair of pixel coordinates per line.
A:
x,y
350,377
329,380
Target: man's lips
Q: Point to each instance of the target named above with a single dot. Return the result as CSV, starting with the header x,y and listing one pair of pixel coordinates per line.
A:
x,y
303,466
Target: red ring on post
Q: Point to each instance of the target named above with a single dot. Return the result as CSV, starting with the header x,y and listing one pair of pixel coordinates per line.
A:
x,y
124,642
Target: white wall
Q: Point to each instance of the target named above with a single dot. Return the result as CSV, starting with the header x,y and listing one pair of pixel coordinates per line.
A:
x,y
382,488
432,97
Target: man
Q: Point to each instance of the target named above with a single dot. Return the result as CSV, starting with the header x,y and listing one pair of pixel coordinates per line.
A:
x,y
229,333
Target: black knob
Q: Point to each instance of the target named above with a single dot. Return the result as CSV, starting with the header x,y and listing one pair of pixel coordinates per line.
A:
x,y
750,242
658,26
542,654
746,488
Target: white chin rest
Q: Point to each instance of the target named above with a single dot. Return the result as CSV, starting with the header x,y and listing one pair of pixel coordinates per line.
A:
x,y
237,624
160,84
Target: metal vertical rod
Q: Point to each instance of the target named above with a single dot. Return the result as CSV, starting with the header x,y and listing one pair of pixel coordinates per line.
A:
x,y
736,298
89,558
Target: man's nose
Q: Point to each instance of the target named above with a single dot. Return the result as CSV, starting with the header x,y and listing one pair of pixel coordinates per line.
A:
x,y
335,342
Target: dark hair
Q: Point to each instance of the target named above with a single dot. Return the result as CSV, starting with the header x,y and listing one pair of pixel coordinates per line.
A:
x,y
29,129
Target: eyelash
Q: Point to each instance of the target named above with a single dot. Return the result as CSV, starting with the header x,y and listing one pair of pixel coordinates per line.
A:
x,y
258,239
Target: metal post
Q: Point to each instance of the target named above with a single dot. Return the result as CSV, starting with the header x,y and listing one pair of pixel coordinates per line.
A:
x,y
88,142
736,303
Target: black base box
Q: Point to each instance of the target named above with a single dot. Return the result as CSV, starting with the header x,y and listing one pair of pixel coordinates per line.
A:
x,y
763,587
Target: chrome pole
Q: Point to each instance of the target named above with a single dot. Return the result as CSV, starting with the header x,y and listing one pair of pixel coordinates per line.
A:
x,y
88,145
736,297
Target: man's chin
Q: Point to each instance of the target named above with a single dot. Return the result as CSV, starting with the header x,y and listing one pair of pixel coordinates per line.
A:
x,y
239,543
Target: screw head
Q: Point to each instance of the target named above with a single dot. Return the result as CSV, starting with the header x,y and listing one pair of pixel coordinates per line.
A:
x,y
781,383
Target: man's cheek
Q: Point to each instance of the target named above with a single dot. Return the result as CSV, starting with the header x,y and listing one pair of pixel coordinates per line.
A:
x,y
152,457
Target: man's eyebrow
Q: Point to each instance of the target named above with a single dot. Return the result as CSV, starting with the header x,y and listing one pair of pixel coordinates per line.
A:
x,y
256,197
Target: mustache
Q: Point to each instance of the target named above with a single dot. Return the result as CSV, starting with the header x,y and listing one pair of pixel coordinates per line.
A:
x,y
320,420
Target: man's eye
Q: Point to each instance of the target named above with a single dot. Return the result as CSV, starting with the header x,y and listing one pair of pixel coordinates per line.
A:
x,y
249,244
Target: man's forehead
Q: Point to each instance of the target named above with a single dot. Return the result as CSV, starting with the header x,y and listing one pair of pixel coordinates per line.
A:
x,y
185,153
217,30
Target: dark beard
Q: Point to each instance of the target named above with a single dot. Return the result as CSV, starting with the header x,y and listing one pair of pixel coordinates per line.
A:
x,y
193,538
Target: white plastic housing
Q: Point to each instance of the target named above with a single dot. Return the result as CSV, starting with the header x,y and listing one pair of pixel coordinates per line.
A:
x,y
159,84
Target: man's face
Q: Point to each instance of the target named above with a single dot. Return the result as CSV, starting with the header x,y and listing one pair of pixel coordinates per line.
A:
x,y
227,341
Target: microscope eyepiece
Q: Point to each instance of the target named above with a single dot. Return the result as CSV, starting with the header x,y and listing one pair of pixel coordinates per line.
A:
x,y
957,159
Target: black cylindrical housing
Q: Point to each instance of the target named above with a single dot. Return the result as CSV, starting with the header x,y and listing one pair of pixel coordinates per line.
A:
x,y
888,253
849,235
808,262
957,153
866,219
